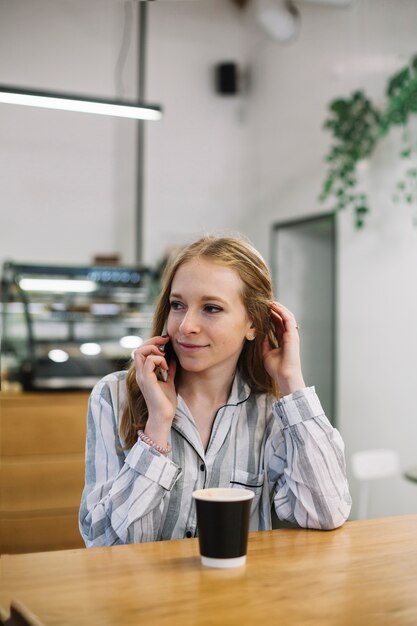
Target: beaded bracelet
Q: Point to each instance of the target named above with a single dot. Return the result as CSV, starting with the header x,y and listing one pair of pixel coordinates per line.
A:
x,y
154,445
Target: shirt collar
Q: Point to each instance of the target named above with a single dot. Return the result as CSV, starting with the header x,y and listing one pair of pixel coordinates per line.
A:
x,y
240,391
184,421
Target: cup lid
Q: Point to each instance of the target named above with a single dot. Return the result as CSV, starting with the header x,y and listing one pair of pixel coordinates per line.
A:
x,y
223,494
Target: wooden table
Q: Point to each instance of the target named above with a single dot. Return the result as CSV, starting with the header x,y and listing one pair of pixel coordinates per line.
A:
x,y
363,573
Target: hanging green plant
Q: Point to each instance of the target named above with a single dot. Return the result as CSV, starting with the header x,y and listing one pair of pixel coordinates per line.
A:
x,y
401,104
401,97
354,124
357,125
406,187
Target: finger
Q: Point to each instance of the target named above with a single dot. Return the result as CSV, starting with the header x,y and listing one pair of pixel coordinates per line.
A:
x,y
152,362
266,347
158,340
146,350
278,323
281,309
287,316
277,318
141,354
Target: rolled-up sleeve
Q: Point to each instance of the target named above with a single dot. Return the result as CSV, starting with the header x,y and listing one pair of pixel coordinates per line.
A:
x,y
120,490
306,464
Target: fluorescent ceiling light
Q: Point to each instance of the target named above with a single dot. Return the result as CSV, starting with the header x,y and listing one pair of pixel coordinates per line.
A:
x,y
70,102
57,285
336,3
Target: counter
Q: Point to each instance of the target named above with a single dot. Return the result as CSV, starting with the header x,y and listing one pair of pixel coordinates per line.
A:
x,y
42,470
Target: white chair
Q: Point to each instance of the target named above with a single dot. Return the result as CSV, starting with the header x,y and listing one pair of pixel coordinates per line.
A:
x,y
369,465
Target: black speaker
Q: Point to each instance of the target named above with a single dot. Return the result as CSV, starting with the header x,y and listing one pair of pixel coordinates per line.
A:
x,y
226,75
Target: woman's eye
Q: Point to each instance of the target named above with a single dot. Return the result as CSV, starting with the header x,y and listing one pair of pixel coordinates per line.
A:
x,y
212,308
175,306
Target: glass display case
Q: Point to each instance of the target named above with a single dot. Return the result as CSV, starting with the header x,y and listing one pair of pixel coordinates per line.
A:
x,y
66,327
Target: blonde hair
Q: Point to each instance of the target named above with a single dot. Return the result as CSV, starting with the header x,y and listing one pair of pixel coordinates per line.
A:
x,y
245,260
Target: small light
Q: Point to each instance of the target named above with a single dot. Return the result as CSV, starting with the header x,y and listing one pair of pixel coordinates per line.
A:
x,y
131,341
58,356
90,349
55,285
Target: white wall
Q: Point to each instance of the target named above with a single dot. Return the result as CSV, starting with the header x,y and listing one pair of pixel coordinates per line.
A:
x,y
340,50
195,157
378,345
66,178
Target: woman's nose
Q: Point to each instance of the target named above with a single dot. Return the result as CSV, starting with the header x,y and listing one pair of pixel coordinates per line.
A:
x,y
189,323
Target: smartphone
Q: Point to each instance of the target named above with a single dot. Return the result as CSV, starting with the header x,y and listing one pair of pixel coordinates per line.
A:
x,y
167,349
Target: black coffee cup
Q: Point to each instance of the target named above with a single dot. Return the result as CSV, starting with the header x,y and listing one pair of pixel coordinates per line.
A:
x,y
223,525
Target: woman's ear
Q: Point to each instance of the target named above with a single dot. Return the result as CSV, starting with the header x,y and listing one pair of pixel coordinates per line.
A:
x,y
251,334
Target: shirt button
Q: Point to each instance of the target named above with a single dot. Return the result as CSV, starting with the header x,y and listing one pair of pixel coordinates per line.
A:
x,y
188,534
202,467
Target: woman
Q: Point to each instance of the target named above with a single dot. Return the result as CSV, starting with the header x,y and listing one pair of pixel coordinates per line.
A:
x,y
206,412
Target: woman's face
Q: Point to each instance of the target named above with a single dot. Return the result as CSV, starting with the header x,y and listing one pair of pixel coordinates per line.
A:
x,y
207,322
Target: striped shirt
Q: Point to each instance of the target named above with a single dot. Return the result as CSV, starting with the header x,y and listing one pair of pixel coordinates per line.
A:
x,y
286,451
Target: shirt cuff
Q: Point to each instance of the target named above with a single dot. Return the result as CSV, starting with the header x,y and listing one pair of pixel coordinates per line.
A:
x,y
299,406
148,462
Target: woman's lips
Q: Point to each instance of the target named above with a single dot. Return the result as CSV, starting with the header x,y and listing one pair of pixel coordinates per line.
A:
x,y
190,347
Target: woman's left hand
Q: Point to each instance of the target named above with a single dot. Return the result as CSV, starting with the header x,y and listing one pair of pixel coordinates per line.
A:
x,y
283,364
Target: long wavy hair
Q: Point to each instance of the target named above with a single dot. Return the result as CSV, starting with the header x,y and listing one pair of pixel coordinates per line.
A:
x,y
245,260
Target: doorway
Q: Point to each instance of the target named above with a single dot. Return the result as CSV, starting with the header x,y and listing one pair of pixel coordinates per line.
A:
x,y
303,264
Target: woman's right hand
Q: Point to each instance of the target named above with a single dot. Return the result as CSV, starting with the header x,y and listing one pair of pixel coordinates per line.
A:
x,y
160,396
